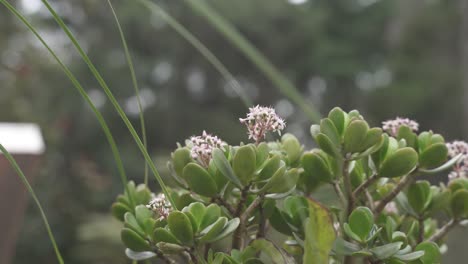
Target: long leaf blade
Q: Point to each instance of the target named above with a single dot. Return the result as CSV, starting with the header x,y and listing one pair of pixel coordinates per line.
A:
x,y
36,200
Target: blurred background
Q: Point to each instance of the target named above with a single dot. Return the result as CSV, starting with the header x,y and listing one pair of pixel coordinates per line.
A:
x,y
385,58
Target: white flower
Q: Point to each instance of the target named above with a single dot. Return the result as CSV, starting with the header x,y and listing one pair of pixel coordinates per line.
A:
x,y
261,120
203,146
460,169
392,126
160,205
391,208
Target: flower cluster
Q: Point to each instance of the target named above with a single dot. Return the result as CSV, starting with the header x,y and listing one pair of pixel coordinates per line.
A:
x,y
392,126
160,205
203,146
460,169
261,120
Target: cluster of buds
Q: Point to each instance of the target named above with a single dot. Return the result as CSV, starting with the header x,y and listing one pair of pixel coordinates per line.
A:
x,y
203,146
392,126
160,206
460,169
261,120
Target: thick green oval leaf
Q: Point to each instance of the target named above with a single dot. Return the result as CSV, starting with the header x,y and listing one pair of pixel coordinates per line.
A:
x,y
400,163
225,168
163,235
285,183
170,249
361,222
326,145
373,137
338,117
212,213
142,214
419,196
355,135
319,234
328,128
459,204
315,166
271,166
132,223
433,156
119,209
386,251
431,253
276,179
197,210
342,247
424,140
134,241
199,180
181,227
405,132
292,147
262,153
138,256
212,231
275,255
349,232
244,163
180,158
278,222
410,256
230,227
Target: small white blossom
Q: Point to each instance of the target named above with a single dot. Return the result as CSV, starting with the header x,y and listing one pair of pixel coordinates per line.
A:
x,y
460,169
203,146
160,206
261,120
391,208
392,126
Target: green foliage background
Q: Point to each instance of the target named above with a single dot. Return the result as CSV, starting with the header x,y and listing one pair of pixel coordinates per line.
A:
x,y
383,57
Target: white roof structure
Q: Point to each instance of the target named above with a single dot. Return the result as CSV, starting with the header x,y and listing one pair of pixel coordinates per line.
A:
x,y
22,138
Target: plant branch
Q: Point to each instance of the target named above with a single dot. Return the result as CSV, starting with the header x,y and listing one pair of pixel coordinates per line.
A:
x,y
370,200
365,184
261,222
222,202
238,237
443,231
421,230
348,188
339,192
400,186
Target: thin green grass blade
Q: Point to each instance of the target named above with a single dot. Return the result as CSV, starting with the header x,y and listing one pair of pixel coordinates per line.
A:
x,y
83,93
200,47
36,200
254,55
112,99
135,84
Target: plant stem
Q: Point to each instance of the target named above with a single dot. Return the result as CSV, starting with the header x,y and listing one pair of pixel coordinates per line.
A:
x,y
400,186
443,231
261,222
219,200
421,230
239,242
238,239
135,85
369,199
365,184
348,187
336,186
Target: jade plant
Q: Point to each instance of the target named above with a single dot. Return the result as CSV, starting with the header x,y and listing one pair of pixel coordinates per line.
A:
x,y
259,202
